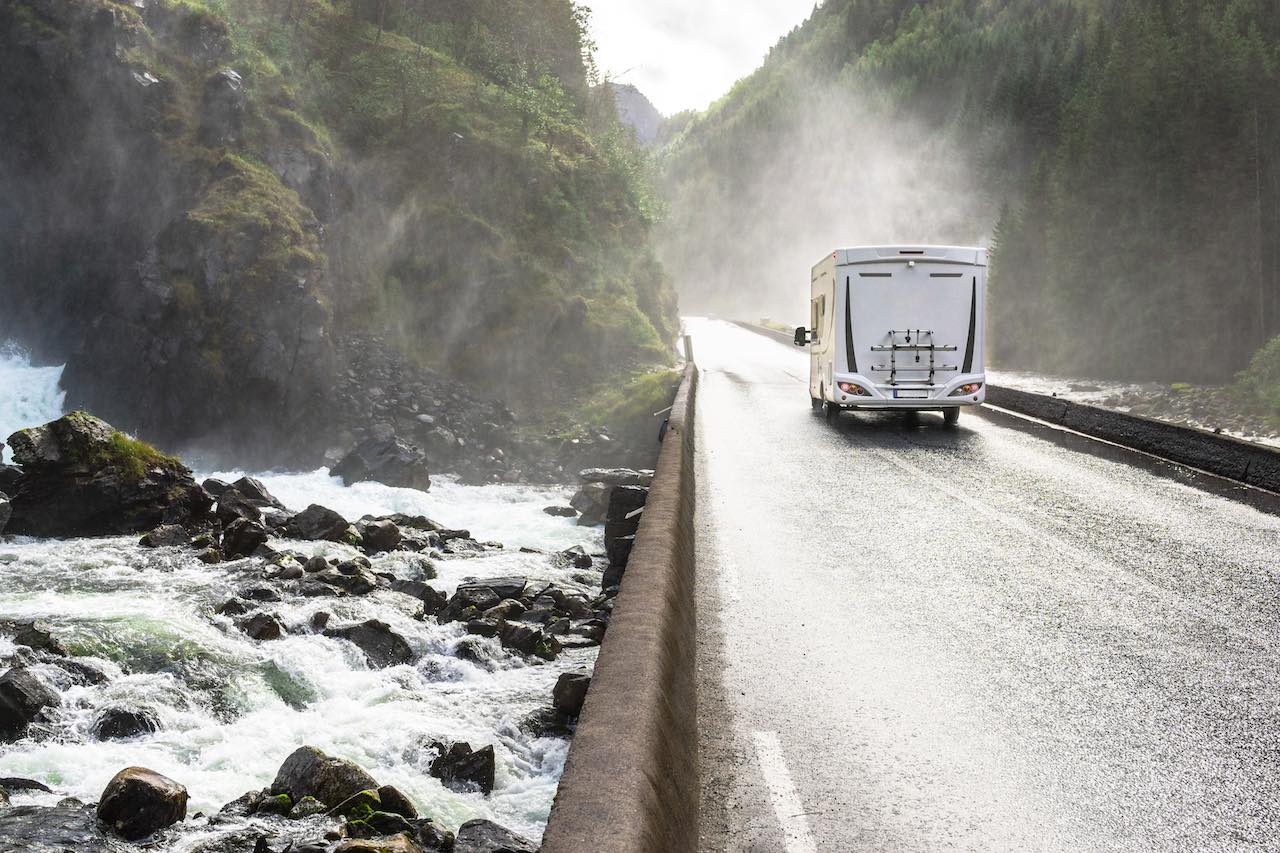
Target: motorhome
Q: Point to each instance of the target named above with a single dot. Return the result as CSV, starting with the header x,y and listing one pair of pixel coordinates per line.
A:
x,y
897,327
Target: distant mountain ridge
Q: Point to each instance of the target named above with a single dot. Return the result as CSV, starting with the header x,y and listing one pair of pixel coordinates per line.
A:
x,y
637,112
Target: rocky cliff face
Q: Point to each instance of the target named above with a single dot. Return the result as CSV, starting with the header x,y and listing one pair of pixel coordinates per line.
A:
x,y
141,239
210,211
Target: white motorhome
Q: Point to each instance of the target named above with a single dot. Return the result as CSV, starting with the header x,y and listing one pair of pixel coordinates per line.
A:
x,y
897,327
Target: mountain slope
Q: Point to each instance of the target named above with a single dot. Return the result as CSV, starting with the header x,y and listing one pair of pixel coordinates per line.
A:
x,y
1122,157
204,206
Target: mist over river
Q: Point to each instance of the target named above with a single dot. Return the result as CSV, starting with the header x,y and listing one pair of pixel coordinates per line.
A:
x,y
231,708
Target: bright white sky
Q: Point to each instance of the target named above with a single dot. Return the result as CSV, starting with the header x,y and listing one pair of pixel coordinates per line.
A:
x,y
685,54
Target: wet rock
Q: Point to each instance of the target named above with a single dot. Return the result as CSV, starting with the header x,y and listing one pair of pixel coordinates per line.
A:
x,y
395,802
432,599
35,829
511,608
307,807
165,536
379,536
547,722
385,459
308,772
570,692
253,489
561,511
389,844
318,523
382,646
315,565
9,477
6,509
210,556
242,538
35,635
123,723
592,503
528,640
577,557
233,505
233,607
19,783
215,487
23,695
459,767
262,626
483,836
138,802
80,477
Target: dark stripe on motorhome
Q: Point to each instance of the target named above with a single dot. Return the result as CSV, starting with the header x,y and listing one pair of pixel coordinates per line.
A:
x,y
876,274
973,328
946,275
848,326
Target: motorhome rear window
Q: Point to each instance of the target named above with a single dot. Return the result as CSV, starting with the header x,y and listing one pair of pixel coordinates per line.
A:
x,y
876,274
946,274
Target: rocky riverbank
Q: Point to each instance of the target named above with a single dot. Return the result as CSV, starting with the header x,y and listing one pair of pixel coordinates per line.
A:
x,y
440,670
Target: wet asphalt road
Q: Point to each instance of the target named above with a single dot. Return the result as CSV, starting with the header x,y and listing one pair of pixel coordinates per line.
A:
x,y
1001,637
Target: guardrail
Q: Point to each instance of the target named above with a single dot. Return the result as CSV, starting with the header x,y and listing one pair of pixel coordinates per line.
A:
x,y
1221,455
630,783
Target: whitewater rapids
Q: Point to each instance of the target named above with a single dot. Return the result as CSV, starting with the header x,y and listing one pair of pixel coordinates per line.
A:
x,y
231,709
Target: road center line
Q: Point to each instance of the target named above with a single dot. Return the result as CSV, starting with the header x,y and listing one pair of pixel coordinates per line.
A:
x,y
782,791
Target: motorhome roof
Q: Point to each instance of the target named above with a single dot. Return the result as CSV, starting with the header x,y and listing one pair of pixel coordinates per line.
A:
x,y
878,254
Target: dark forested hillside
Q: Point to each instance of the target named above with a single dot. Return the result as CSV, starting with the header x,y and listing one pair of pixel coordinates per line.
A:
x,y
1121,156
212,208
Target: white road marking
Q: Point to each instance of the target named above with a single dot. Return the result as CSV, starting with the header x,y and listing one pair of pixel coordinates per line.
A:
x,y
786,802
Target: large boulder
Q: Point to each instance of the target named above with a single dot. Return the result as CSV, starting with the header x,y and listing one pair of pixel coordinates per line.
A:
x,y
385,459
253,489
379,535
9,477
166,536
138,802
233,504
82,477
382,646
458,766
123,723
6,509
308,772
483,836
242,537
318,523
23,695
570,693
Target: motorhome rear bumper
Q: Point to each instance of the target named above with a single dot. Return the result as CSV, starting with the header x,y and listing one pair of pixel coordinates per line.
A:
x,y
880,396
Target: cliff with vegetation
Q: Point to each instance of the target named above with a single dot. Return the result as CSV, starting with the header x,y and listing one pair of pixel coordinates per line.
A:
x,y
213,210
1122,157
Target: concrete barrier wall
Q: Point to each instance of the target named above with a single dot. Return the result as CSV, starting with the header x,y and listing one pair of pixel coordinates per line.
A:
x,y
1232,458
1221,455
630,784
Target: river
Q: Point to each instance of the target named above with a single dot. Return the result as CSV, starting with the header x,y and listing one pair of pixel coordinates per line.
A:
x,y
231,708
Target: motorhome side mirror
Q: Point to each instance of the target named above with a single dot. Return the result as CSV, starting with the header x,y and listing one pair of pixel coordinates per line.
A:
x,y
802,336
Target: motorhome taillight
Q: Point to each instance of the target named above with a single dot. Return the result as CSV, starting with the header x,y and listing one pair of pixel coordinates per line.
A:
x,y
855,390
966,390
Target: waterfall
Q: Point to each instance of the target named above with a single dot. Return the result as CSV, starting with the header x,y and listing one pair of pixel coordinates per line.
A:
x,y
29,395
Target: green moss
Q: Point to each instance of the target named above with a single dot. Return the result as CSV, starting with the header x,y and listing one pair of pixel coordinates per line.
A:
x,y
85,442
248,203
